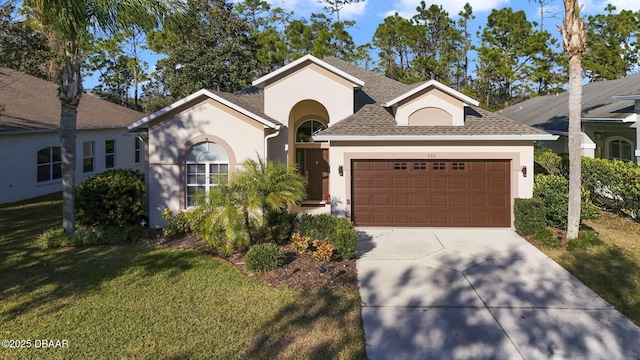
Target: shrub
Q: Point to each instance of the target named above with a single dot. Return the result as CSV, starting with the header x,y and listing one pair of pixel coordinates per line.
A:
x,y
546,237
264,257
281,225
613,184
299,243
547,162
177,224
324,250
339,231
553,190
345,238
529,216
112,198
585,240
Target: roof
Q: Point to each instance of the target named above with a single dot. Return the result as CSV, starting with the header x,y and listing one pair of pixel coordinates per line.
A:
x,y
372,120
372,116
612,99
249,102
29,104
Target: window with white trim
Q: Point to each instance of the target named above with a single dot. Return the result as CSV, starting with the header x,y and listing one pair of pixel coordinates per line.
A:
x,y
307,129
620,148
49,164
207,166
87,156
110,154
137,148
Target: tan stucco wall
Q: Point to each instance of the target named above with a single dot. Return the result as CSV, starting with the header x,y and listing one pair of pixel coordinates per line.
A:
x,y
432,98
341,154
241,137
309,83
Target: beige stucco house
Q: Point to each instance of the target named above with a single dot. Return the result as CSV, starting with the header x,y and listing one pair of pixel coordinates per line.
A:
x,y
375,150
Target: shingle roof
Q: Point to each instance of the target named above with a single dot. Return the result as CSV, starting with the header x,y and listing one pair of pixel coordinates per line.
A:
x,y
551,112
251,99
28,104
372,119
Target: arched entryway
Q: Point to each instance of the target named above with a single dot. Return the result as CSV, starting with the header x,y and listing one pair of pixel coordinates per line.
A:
x,y
311,158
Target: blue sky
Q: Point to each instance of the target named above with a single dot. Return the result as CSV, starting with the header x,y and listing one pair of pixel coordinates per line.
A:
x,y
369,14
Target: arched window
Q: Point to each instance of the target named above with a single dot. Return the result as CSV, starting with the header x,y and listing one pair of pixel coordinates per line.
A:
x,y
307,129
207,165
49,164
620,148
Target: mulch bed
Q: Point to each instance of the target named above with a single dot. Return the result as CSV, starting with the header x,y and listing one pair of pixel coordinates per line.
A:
x,y
300,271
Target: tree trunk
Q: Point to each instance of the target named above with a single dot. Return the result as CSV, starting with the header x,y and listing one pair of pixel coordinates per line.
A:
x,y
574,40
69,93
575,146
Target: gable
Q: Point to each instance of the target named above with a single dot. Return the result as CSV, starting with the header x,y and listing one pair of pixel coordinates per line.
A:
x,y
431,108
310,82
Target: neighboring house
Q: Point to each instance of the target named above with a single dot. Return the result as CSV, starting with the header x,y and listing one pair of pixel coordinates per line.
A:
x,y
30,139
377,151
610,111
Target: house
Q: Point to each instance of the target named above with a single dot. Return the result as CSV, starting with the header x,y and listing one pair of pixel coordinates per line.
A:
x,y
375,150
610,111
30,139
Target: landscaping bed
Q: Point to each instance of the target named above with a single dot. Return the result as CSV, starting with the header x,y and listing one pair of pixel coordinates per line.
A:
x,y
300,271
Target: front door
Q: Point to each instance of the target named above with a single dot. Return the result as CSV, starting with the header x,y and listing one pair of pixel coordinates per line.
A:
x,y
313,164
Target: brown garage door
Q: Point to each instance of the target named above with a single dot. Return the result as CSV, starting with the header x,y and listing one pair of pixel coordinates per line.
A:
x,y
431,193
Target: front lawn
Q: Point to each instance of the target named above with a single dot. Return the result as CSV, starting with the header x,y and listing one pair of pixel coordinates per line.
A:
x,y
612,270
136,301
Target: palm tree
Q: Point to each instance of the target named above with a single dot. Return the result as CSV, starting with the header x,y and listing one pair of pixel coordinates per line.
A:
x,y
71,22
226,216
574,40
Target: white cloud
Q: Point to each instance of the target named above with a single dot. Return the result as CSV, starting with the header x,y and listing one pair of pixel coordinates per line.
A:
x,y
407,8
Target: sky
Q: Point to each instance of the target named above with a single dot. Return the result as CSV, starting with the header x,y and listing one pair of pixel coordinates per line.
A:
x,y
368,14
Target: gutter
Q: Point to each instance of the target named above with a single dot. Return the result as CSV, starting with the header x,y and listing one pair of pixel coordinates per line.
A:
x,y
270,136
433,137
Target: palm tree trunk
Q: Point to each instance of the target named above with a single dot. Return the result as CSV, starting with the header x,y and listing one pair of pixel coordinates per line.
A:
x,y
69,93
574,42
575,146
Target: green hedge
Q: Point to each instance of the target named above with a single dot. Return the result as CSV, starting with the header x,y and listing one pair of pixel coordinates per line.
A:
x,y
339,231
553,190
530,216
613,184
114,198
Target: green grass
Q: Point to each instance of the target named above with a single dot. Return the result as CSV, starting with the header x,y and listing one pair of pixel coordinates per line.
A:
x,y
133,301
611,269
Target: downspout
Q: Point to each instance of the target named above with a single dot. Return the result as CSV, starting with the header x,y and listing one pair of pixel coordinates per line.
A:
x,y
270,136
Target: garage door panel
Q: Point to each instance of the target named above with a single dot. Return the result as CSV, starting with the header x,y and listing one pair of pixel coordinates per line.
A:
x,y
439,200
431,193
439,184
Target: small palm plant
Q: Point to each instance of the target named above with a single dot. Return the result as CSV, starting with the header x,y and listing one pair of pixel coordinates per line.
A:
x,y
226,216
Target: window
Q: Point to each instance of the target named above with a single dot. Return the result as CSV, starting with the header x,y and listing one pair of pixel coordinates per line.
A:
x,y
457,166
136,151
87,156
207,166
438,166
419,166
400,166
110,154
49,164
620,148
307,129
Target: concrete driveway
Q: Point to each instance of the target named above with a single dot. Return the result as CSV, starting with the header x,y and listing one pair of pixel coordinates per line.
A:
x,y
479,294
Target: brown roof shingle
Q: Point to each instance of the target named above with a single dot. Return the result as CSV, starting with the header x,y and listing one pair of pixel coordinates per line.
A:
x,y
29,104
